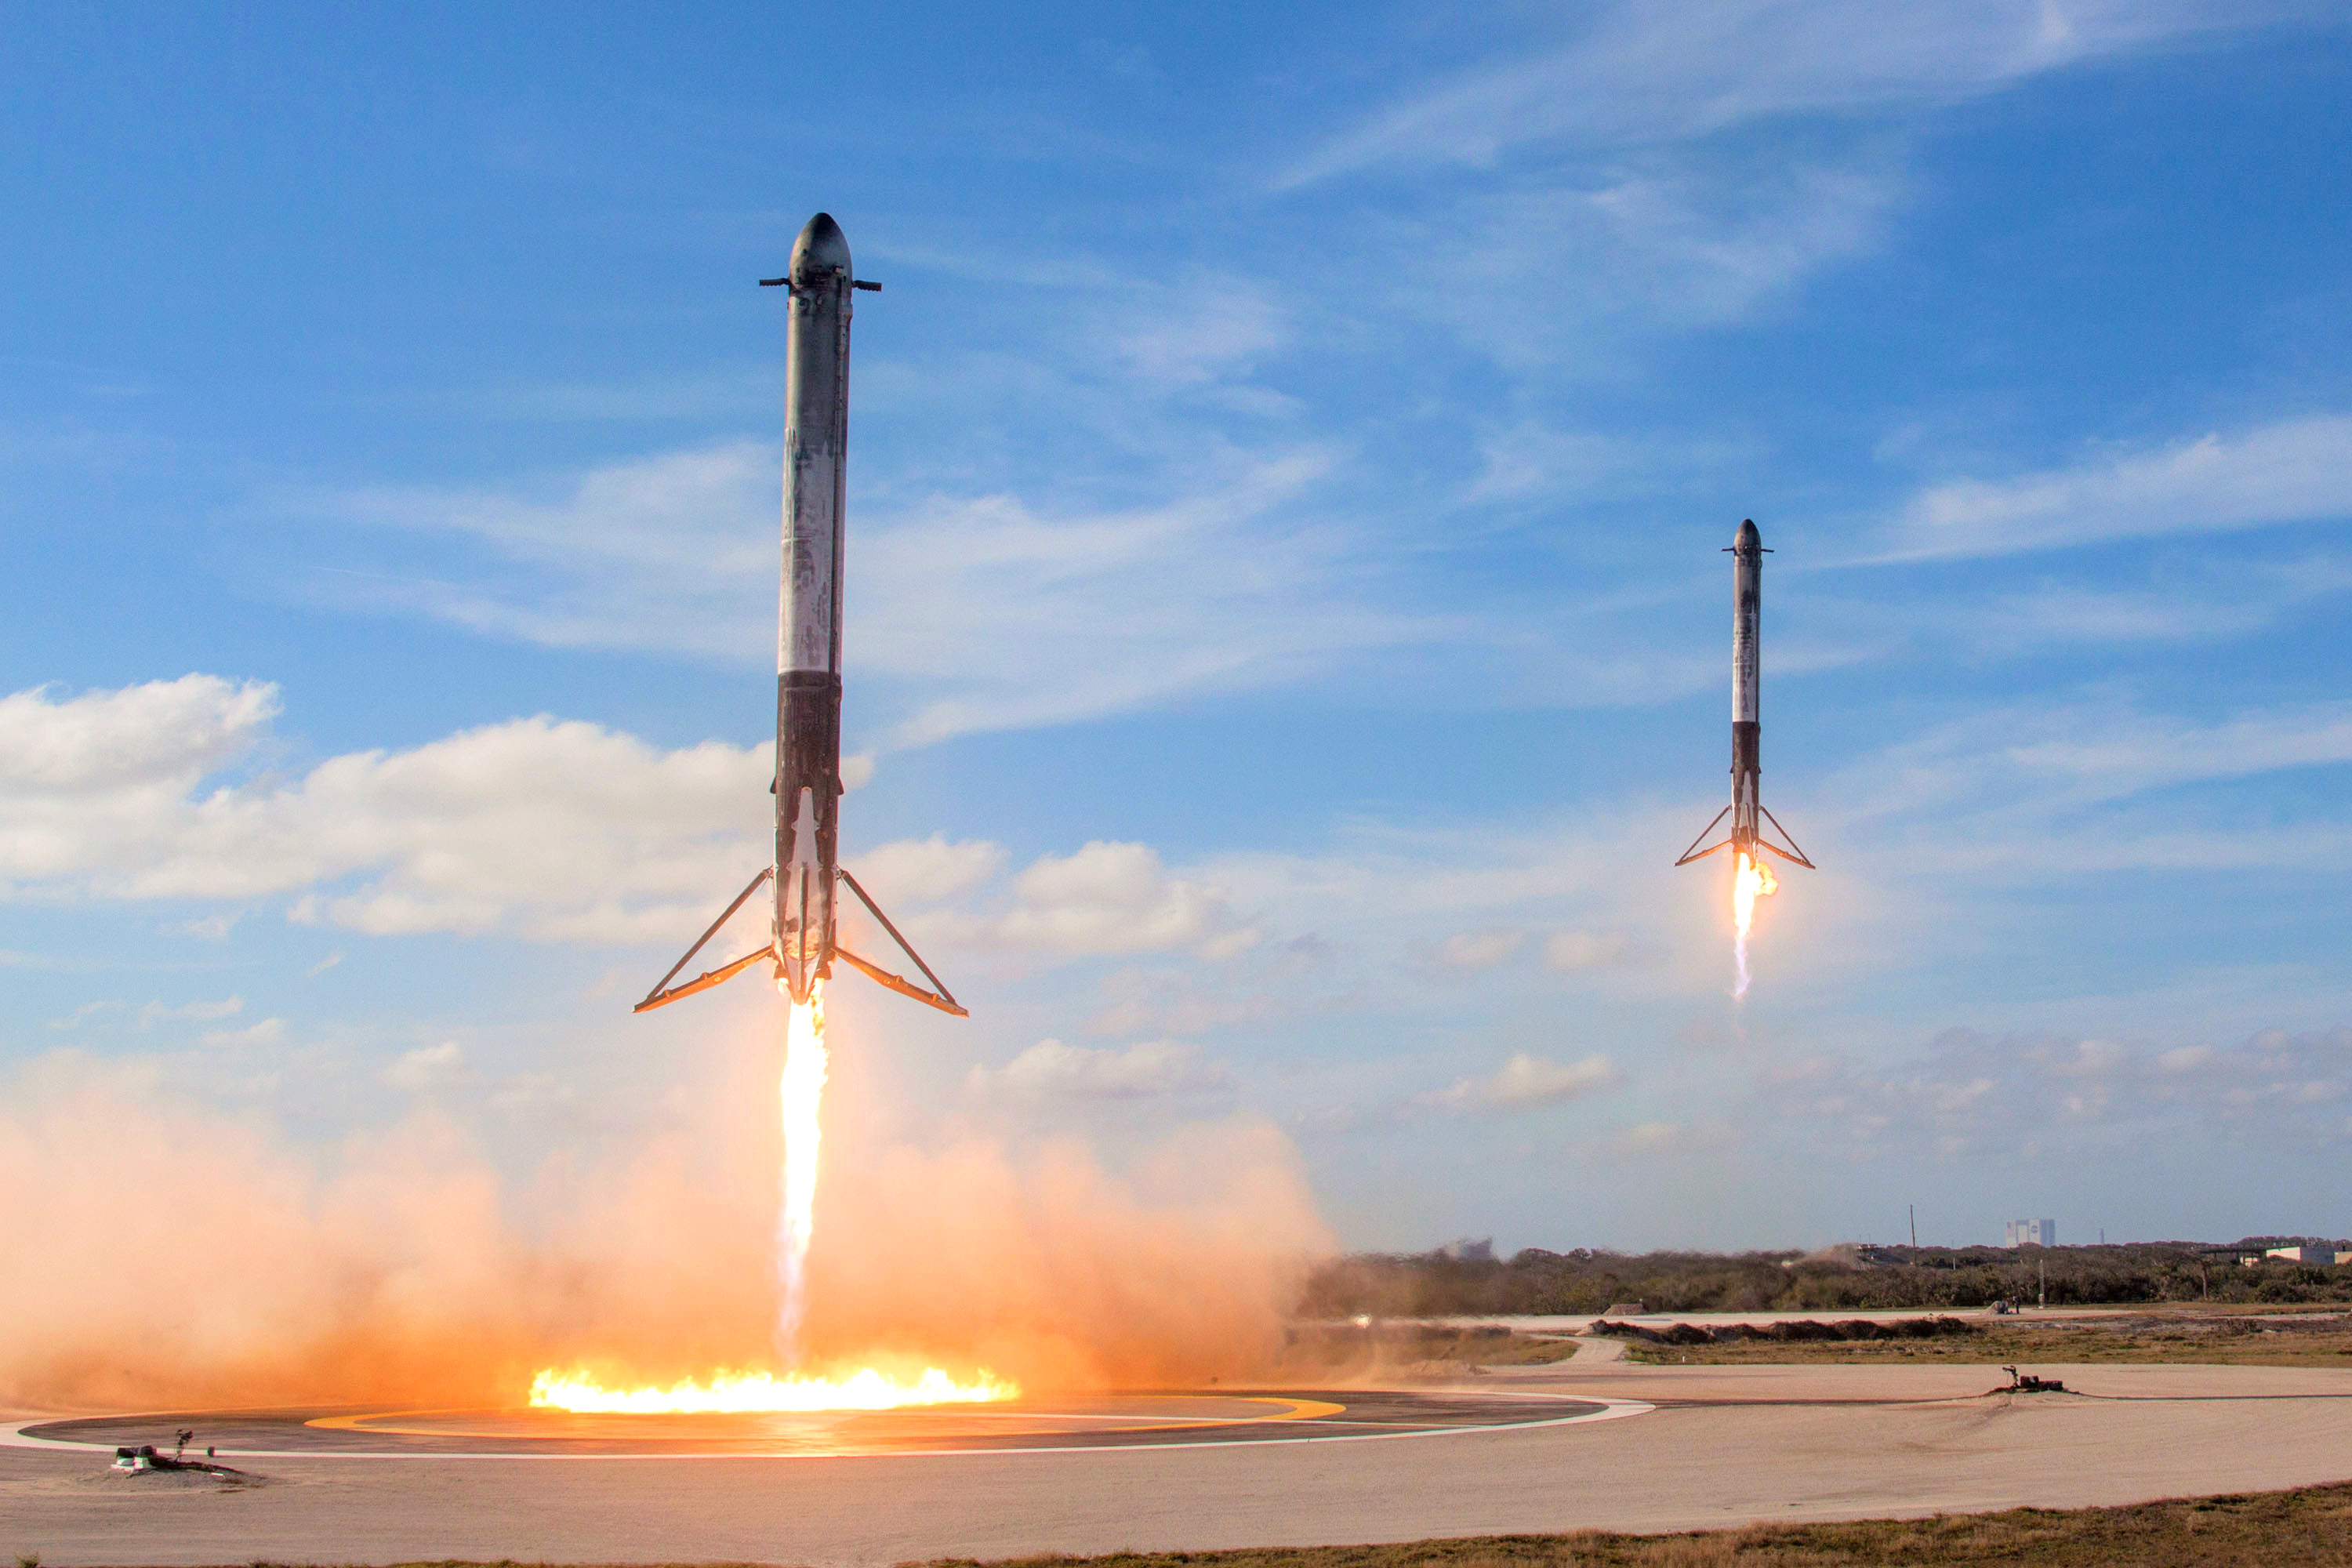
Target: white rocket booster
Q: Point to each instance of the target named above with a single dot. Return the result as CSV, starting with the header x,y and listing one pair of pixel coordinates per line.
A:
x,y
1747,809
802,941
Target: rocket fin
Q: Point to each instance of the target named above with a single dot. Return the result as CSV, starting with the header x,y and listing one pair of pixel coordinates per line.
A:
x,y
703,982
1695,852
662,993
942,998
1794,856
903,986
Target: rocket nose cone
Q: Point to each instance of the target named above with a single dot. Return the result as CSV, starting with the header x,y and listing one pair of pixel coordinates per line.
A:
x,y
821,248
1748,538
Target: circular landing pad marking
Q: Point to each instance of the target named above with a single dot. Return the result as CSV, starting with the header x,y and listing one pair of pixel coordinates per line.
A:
x,y
1046,1424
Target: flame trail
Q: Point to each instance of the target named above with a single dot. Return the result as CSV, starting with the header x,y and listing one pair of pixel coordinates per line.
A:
x,y
802,1096
1750,880
801,1093
747,1392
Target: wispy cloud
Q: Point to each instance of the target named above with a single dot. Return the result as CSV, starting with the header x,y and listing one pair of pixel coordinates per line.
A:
x,y
987,612
2297,470
1155,1070
1480,949
1526,1082
1642,74
429,1068
1972,1092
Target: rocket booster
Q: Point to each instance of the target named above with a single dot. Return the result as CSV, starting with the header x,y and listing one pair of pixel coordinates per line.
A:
x,y
808,617
803,938
1746,810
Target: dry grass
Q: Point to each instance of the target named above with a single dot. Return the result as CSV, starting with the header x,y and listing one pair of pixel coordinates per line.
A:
x,y
2271,1340
1409,1349
2309,1527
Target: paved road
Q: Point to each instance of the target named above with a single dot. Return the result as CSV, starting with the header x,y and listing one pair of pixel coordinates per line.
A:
x,y
1724,1446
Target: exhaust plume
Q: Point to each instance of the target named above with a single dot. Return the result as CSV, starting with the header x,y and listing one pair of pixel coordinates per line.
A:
x,y
166,1256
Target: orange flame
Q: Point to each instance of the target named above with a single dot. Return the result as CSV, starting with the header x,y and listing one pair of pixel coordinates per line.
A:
x,y
1750,881
758,1391
801,1094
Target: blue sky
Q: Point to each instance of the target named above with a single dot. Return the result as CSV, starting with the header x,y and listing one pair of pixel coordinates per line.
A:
x,y
1288,633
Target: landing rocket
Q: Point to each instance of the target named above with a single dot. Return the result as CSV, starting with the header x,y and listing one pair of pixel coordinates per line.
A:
x,y
1746,810
802,941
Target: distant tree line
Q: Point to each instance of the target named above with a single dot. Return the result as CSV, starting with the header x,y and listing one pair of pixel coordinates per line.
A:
x,y
1445,1283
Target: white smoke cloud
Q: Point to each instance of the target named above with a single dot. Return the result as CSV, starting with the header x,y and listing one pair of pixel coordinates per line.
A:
x,y
399,1264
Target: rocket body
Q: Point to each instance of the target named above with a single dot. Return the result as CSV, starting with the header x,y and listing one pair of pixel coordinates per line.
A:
x,y
808,631
1752,826
1747,680
803,940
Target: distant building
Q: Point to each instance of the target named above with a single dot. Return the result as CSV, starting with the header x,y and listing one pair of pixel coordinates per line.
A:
x,y
1480,1250
2326,1256
2033,1233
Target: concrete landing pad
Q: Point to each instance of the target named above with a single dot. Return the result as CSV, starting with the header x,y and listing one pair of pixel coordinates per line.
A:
x,y
1043,1424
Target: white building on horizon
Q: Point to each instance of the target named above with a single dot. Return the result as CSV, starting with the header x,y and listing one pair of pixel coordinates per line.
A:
x,y
2033,1233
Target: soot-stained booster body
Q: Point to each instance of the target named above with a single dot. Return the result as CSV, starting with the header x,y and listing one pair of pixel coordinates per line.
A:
x,y
1747,809
808,611
802,938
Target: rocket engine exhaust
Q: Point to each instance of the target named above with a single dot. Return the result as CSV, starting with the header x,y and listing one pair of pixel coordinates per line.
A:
x,y
802,943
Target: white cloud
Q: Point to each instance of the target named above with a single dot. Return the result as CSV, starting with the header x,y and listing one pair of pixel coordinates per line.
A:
x,y
1525,1082
2295,471
913,871
1973,1093
1107,898
989,612
1661,1137
550,830
201,1012
558,831
1050,1070
1572,952
268,1032
1217,326
1644,73
427,1068
2012,768
681,547
210,928
1482,949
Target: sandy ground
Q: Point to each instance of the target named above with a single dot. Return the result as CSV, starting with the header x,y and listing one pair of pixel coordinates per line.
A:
x,y
1726,1446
